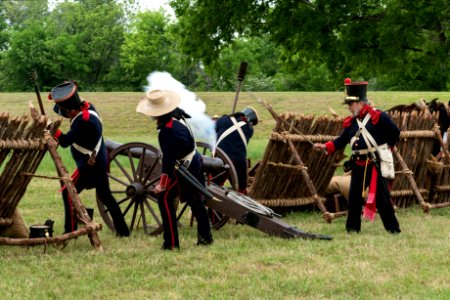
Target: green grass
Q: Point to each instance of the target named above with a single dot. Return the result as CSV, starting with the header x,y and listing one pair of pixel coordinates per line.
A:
x,y
242,263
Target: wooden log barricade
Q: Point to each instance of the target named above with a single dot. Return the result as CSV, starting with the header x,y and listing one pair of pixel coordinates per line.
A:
x,y
419,132
23,143
291,172
440,188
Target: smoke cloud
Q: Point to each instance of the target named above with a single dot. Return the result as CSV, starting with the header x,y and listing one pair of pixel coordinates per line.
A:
x,y
201,124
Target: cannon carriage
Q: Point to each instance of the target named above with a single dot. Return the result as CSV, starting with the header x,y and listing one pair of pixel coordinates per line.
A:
x,y
135,170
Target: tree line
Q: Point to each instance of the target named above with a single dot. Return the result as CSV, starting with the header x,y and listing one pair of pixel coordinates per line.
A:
x,y
109,45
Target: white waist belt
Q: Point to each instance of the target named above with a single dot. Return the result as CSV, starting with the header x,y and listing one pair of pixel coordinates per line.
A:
x,y
188,158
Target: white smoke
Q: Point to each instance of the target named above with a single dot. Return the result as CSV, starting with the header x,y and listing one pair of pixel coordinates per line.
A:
x,y
201,124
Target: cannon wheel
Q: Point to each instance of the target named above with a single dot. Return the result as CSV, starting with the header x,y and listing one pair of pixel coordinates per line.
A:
x,y
135,169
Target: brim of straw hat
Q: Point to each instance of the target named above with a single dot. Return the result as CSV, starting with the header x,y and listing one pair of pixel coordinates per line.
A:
x,y
158,107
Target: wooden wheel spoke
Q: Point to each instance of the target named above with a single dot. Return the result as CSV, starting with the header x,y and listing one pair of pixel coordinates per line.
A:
x,y
133,168
135,211
118,180
218,175
144,220
118,202
152,211
150,171
123,200
142,160
154,180
182,211
124,213
118,192
124,172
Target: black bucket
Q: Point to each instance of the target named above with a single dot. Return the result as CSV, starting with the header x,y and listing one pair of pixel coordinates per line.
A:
x,y
39,231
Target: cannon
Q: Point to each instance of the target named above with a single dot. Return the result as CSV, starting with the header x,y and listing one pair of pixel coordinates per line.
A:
x,y
135,169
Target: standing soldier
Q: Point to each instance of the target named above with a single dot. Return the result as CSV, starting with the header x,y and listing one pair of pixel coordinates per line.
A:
x,y
177,146
369,132
88,150
233,134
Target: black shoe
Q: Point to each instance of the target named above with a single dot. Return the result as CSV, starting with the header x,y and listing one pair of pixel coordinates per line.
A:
x,y
204,242
167,247
123,233
395,231
349,230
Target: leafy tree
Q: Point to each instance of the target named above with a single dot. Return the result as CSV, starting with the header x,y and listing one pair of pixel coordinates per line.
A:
x,y
77,40
405,39
149,46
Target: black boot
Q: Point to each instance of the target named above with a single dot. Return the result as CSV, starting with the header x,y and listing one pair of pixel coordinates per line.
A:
x,y
201,241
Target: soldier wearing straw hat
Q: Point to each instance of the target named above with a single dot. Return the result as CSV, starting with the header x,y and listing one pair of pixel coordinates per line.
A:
x,y
88,150
370,133
177,145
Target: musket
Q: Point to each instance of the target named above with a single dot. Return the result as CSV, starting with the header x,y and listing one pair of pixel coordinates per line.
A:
x,y
240,78
36,90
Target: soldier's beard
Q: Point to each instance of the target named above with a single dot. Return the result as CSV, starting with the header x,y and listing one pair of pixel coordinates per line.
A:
x,y
356,112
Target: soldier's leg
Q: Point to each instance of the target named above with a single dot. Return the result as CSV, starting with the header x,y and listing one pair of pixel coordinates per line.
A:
x,y
195,200
104,194
70,218
355,200
242,172
166,203
385,207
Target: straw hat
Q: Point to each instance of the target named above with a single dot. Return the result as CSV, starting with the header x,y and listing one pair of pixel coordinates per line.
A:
x,y
158,102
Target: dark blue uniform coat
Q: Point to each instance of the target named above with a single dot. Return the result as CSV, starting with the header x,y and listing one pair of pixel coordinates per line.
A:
x,y
234,147
176,142
383,130
86,130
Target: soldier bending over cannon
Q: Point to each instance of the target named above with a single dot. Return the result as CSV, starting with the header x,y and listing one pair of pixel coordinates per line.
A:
x,y
88,150
178,146
233,134
370,133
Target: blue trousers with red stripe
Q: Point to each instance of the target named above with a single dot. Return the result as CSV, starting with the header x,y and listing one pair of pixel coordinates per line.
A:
x,y
383,200
188,193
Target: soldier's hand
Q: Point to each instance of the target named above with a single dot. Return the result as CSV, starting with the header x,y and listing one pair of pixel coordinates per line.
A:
x,y
320,147
158,189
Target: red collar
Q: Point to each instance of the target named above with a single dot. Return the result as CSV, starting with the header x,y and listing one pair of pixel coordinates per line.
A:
x,y
367,109
169,124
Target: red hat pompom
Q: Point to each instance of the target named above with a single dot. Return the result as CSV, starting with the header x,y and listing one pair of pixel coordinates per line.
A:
x,y
347,80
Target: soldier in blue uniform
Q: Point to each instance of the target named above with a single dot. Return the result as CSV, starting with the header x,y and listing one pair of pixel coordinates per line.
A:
x,y
88,150
368,131
177,145
233,134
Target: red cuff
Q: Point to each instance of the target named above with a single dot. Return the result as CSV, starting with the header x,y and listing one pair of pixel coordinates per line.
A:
x,y
164,181
330,147
57,134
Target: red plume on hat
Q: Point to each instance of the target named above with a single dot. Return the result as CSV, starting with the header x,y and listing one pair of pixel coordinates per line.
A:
x,y
347,80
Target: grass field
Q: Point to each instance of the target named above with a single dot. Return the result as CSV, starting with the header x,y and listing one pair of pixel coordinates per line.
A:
x,y
242,263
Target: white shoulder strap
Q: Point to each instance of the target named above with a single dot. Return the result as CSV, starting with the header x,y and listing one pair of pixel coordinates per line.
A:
x,y
368,138
99,143
91,112
236,126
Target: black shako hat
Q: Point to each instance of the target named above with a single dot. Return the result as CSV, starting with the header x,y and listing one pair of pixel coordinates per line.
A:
x,y
355,91
65,96
251,114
